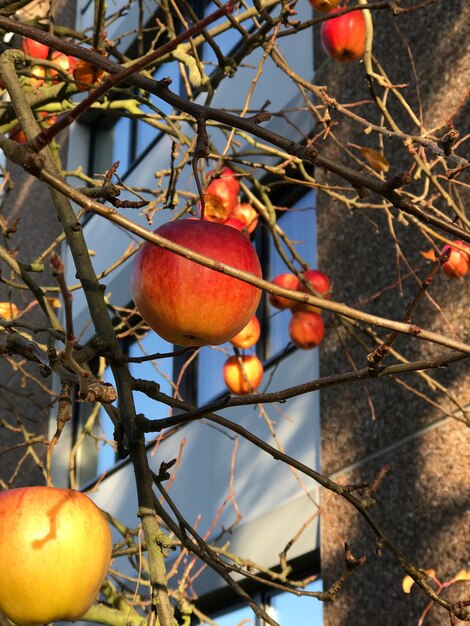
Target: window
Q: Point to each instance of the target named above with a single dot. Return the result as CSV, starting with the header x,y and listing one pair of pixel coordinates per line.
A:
x,y
289,610
267,492
237,616
299,225
97,454
286,608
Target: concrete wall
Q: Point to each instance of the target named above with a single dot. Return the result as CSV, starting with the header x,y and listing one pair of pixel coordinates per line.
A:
x,y
24,401
423,502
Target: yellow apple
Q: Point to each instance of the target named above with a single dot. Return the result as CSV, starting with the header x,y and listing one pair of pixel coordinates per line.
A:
x,y
242,374
55,550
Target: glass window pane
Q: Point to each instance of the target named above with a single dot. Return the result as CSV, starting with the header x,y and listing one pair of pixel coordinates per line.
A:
x,y
106,449
226,41
242,616
290,610
145,132
167,70
211,361
299,224
160,371
121,143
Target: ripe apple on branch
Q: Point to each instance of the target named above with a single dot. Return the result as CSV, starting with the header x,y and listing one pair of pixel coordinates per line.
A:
x,y
243,373
221,203
288,281
189,304
319,283
458,263
64,62
343,38
34,48
248,336
220,196
306,327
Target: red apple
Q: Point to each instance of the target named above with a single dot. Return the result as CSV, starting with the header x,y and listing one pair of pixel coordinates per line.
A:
x,y
343,38
64,62
320,284
55,550
246,214
221,196
306,329
248,336
243,374
189,304
458,263
234,223
324,6
17,133
34,48
288,281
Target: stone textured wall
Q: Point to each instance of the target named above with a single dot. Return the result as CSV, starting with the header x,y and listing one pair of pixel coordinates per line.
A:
x,y
423,503
24,400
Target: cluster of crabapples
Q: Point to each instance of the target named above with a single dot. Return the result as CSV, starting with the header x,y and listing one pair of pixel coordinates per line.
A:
x,y
306,327
344,37
190,304
221,199
40,74
242,373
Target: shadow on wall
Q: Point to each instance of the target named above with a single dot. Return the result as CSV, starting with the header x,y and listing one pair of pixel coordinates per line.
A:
x,y
424,510
422,502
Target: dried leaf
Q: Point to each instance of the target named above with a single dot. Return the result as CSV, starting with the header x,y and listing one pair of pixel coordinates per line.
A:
x,y
86,75
463,574
407,583
430,255
375,159
54,302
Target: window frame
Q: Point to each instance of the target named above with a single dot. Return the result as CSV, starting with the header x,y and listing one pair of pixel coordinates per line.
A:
x,y
224,600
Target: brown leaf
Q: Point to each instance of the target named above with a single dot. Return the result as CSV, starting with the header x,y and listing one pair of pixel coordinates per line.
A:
x,y
408,582
86,75
54,302
375,159
463,574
